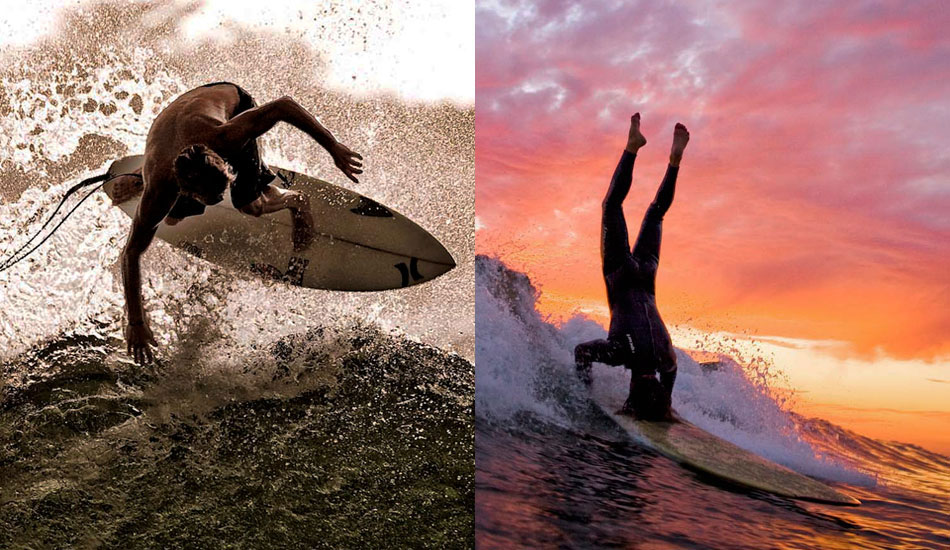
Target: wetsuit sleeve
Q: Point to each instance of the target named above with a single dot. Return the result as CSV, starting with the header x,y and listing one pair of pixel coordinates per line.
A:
x,y
648,241
614,241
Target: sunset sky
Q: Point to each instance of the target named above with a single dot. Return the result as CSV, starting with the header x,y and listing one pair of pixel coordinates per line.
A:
x,y
813,200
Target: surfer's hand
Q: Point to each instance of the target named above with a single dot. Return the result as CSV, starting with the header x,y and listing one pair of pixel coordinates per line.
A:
x,y
138,338
349,162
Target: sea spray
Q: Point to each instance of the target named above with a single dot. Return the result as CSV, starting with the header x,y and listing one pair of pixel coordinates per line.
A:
x,y
273,416
524,364
337,437
87,94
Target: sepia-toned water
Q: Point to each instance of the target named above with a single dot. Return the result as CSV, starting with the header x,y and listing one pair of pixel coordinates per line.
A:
x,y
274,416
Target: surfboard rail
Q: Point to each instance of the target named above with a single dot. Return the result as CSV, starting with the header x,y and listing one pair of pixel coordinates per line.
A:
x,y
701,451
359,244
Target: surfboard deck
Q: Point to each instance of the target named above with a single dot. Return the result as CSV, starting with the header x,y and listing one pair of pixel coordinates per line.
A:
x,y
360,245
700,450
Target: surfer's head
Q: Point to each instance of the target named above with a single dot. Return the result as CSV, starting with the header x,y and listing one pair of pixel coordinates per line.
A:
x,y
649,400
202,174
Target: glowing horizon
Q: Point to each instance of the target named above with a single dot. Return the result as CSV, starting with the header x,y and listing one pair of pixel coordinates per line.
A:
x,y
812,199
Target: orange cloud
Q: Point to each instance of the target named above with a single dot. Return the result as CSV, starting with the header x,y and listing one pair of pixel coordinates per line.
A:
x,y
814,200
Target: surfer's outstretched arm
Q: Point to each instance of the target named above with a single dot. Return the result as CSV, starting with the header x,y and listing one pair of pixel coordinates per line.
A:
x,y
156,202
253,123
138,335
599,351
614,241
651,230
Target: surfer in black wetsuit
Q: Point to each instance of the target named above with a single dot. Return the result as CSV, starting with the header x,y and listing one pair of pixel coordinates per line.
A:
x,y
202,143
637,338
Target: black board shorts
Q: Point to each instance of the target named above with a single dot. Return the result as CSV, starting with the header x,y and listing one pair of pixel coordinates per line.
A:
x,y
253,175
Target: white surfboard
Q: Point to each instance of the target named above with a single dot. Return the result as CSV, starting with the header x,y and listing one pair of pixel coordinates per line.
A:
x,y
700,450
359,243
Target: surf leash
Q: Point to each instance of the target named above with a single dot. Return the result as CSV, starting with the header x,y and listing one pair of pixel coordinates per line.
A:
x,y
12,259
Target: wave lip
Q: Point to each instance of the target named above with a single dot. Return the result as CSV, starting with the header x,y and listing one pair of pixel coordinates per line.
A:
x,y
524,365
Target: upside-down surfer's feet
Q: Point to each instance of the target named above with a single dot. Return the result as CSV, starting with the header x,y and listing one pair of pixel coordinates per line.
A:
x,y
635,139
680,139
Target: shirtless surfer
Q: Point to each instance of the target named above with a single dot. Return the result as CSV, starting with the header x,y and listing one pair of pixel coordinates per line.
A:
x,y
637,338
198,146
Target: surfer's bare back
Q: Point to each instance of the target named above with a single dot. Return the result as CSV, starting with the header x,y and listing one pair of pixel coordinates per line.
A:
x,y
198,146
637,338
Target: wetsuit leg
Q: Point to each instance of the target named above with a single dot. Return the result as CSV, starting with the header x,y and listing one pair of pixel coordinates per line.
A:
x,y
648,241
614,241
668,378
600,351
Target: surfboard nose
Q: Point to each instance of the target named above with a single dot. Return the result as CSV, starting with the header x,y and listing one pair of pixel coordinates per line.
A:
x,y
443,256
430,249
435,262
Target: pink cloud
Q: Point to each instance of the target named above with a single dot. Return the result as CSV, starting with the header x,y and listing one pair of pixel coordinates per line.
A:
x,y
818,157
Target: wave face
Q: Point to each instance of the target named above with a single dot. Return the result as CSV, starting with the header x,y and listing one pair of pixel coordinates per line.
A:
x,y
337,438
521,357
275,416
536,424
87,94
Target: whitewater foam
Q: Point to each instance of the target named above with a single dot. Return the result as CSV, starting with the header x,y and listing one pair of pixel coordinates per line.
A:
x,y
80,98
520,355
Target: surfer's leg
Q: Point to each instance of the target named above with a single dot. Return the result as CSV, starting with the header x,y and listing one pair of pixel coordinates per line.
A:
x,y
614,241
601,351
651,230
274,199
250,160
648,241
668,379
647,247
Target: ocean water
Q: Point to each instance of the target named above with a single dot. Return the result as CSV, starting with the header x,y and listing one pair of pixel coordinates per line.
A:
x,y
275,417
552,471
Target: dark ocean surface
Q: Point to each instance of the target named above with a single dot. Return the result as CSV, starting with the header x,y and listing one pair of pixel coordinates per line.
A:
x,y
552,471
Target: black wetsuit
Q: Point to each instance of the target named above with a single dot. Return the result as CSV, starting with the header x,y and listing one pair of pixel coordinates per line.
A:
x,y
253,175
637,338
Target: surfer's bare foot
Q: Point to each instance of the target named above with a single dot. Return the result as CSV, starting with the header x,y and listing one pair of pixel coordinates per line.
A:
x,y
123,188
635,139
303,229
680,139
